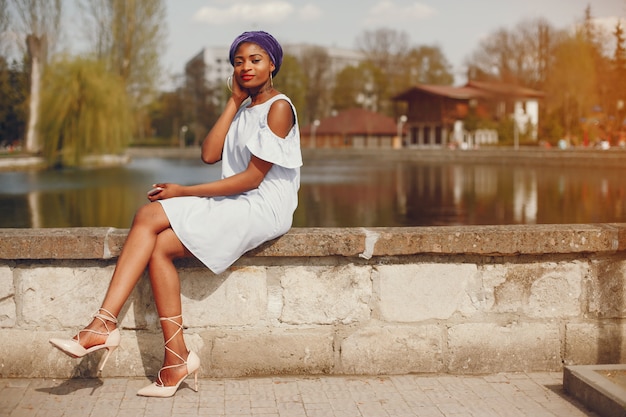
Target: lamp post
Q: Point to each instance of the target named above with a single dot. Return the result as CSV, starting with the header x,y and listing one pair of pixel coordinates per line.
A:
x,y
314,127
401,121
181,136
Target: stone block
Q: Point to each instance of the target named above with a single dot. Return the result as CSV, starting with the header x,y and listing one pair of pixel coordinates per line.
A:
x,y
8,313
477,348
326,295
65,296
69,243
272,352
607,288
498,240
547,290
594,343
396,349
418,292
237,297
28,354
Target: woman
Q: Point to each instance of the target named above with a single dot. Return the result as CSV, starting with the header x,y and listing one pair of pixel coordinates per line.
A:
x,y
257,139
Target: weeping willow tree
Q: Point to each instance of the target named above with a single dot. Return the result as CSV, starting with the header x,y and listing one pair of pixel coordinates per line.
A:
x,y
85,111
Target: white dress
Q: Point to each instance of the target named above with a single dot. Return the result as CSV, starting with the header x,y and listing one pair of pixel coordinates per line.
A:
x,y
218,230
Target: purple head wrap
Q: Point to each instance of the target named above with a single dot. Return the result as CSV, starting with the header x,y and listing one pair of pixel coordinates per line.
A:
x,y
265,41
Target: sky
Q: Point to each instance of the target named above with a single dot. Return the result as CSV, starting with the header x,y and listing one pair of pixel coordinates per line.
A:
x,y
455,26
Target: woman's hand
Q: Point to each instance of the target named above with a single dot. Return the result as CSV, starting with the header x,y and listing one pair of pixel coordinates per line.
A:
x,y
165,190
239,94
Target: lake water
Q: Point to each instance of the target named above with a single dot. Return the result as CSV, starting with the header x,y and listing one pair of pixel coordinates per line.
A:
x,y
334,193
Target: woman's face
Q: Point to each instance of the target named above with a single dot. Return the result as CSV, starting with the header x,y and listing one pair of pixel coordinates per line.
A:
x,y
253,65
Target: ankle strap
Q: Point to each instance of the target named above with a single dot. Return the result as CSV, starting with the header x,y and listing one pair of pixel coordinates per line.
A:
x,y
180,329
109,317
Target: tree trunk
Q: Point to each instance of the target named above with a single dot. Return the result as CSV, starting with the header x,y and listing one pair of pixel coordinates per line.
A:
x,y
36,51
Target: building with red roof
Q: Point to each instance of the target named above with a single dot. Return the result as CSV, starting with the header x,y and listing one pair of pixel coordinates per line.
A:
x,y
352,128
436,113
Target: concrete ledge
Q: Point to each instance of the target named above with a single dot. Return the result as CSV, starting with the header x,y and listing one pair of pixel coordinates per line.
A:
x,y
106,243
592,387
462,300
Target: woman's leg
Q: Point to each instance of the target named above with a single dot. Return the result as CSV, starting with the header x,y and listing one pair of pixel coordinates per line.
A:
x,y
166,290
149,221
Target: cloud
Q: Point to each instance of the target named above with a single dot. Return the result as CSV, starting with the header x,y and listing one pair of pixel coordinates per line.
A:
x,y
387,11
260,12
310,12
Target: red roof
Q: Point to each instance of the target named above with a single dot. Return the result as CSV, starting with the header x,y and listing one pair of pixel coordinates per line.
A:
x,y
505,89
355,121
473,89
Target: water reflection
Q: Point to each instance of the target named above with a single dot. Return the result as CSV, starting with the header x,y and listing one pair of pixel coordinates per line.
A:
x,y
334,193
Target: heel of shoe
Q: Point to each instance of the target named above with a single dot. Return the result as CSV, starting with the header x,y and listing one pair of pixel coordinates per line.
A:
x,y
109,350
195,381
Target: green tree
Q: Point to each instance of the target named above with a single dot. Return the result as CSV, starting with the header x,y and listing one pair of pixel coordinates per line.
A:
x,y
518,56
13,102
348,87
129,35
166,115
619,74
315,63
40,20
4,22
385,49
395,66
364,86
87,111
291,81
425,65
596,38
571,83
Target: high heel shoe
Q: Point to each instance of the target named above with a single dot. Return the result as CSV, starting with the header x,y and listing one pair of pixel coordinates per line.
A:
x,y
73,348
157,389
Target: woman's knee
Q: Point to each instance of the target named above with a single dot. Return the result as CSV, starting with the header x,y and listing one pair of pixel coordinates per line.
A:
x,y
168,246
151,213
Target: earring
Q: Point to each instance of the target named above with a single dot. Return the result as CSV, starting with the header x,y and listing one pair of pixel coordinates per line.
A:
x,y
271,80
229,83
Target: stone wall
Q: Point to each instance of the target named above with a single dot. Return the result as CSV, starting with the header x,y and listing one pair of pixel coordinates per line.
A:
x,y
462,300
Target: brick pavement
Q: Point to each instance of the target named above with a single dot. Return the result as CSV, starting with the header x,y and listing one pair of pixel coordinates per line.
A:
x,y
508,394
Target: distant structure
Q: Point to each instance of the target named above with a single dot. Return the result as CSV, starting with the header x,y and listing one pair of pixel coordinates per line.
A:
x,y
436,113
354,128
212,66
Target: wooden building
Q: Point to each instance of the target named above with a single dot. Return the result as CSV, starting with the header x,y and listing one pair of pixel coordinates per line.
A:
x,y
352,128
436,113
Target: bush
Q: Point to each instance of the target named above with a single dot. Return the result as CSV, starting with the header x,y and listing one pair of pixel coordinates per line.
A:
x,y
84,111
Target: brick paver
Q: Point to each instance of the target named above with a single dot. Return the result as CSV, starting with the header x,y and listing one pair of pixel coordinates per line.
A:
x,y
501,395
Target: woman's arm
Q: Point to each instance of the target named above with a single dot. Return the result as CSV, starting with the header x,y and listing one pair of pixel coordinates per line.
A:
x,y
213,144
280,120
239,183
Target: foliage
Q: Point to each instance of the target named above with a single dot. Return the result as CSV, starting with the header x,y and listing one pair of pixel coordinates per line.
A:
x,y
518,56
315,64
85,111
391,65
13,87
425,65
129,35
348,87
571,83
4,17
40,21
578,73
291,81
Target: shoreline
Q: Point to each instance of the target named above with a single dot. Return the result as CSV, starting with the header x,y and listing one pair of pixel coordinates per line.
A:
x,y
581,157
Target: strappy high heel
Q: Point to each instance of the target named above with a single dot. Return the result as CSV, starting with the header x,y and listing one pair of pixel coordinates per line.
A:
x,y
73,348
157,389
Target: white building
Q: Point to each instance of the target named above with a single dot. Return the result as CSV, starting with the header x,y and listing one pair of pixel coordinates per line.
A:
x,y
215,64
